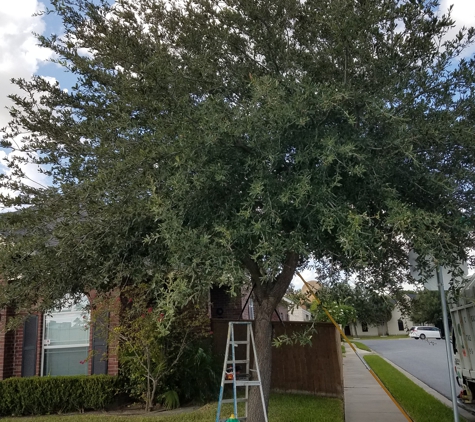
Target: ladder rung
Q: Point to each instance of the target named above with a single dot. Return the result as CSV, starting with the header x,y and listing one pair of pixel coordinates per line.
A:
x,y
240,380
240,383
247,382
240,377
242,400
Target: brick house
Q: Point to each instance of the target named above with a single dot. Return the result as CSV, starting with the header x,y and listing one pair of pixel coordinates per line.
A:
x,y
241,306
57,343
60,342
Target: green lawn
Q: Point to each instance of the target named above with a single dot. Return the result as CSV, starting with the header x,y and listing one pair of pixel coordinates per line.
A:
x,y
419,405
282,408
361,346
381,338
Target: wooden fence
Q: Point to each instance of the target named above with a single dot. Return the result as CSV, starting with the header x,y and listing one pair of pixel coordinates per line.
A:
x,y
315,369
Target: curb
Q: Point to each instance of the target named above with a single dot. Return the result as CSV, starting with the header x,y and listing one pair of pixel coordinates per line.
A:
x,y
467,415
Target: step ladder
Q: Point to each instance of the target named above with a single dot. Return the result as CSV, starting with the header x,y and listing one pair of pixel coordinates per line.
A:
x,y
244,378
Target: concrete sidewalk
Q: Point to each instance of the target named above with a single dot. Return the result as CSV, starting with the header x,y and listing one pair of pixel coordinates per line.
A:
x,y
365,400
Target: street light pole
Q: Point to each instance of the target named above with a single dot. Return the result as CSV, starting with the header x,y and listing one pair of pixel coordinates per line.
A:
x,y
450,361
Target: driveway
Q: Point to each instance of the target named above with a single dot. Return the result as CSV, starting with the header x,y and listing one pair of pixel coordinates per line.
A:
x,y
426,360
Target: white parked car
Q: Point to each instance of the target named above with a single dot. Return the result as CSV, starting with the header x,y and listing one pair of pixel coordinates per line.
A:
x,y
423,332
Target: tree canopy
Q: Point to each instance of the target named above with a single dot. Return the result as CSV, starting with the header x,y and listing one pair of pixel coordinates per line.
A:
x,y
426,308
221,142
347,304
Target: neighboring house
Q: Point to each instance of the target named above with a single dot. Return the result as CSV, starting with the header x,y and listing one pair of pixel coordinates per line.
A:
x,y
314,285
241,306
296,313
57,343
398,324
60,342
361,329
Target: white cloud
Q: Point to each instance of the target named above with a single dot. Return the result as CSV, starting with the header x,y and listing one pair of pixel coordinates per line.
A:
x,y
20,55
308,275
50,79
463,13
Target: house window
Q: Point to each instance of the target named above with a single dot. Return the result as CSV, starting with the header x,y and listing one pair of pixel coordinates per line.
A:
x,y
364,327
66,340
251,309
400,324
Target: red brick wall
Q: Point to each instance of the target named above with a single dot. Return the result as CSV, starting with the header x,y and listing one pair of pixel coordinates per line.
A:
x,y
112,349
7,345
223,305
18,352
18,349
11,348
112,353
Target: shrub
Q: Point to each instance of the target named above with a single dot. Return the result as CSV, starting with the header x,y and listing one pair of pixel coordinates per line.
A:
x,y
162,350
46,395
198,376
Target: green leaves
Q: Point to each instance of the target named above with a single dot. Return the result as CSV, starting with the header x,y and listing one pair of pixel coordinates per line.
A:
x,y
50,395
152,339
426,308
199,135
341,313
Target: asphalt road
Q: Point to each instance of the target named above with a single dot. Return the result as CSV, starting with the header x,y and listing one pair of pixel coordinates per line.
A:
x,y
426,360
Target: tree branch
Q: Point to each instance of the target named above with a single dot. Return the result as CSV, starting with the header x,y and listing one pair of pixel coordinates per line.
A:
x,y
253,269
285,277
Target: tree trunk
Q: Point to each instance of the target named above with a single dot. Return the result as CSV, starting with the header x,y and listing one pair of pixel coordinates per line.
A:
x,y
263,339
267,297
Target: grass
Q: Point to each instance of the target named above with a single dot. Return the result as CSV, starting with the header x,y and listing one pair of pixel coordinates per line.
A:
x,y
419,405
396,337
361,346
282,408
343,349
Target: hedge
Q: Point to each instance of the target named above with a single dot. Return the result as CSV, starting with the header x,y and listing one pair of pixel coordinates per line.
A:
x,y
48,395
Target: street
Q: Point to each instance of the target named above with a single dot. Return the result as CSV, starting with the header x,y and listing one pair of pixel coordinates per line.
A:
x,y
424,359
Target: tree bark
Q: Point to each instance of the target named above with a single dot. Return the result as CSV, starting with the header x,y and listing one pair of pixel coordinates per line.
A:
x,y
268,296
263,339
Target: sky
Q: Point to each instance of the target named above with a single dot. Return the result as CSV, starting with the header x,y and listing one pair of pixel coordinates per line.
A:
x,y
21,57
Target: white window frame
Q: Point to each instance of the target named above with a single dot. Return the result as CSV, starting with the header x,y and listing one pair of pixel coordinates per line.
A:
x,y
44,341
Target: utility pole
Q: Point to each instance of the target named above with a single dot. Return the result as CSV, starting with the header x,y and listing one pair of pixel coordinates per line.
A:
x,y
450,360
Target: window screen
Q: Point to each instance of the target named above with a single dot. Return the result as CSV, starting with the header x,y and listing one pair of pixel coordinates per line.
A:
x,y
66,341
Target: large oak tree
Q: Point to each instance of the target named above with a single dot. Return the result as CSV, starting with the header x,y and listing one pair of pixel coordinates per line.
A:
x,y
224,141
